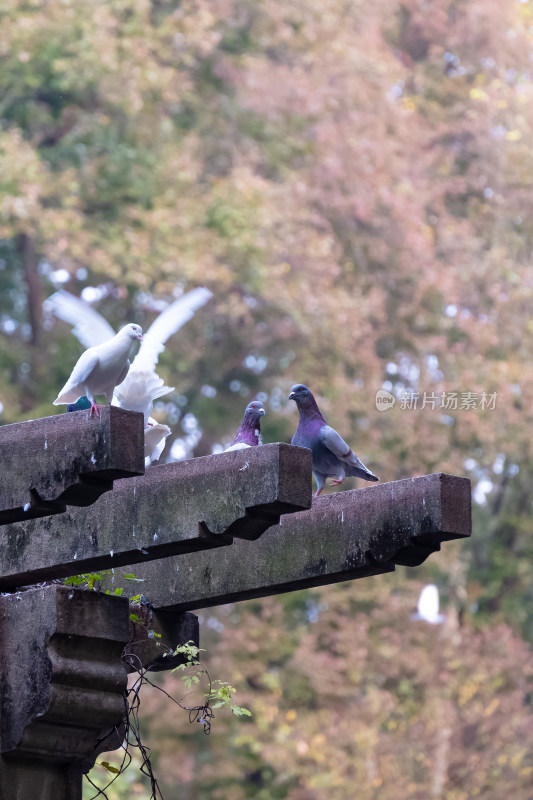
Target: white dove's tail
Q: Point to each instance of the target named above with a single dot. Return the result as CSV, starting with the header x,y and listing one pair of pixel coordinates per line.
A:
x,y
139,390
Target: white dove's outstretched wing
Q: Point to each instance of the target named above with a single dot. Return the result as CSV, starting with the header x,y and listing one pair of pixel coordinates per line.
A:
x,y
167,324
88,325
142,385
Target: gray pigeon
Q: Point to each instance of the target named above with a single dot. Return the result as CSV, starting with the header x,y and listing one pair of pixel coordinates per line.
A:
x,y
331,455
100,369
249,433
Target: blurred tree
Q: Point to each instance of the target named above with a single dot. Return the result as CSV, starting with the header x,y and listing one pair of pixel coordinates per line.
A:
x,y
354,699
353,182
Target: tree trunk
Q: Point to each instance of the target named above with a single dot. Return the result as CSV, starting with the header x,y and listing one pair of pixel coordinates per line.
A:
x,y
30,264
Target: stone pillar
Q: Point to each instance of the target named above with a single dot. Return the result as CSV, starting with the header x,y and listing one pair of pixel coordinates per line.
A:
x,y
61,687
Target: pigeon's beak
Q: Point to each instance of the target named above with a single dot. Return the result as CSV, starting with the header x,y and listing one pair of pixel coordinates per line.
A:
x,y
140,337
292,396
262,412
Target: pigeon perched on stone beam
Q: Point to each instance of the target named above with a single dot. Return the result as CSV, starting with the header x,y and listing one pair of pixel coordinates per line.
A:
x,y
100,368
142,384
249,433
331,455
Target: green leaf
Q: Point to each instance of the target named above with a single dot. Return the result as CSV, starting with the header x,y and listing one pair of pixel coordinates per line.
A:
x,y
118,592
134,618
132,577
106,765
74,580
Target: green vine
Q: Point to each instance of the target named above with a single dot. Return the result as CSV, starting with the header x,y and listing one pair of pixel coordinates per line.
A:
x,y
91,581
220,693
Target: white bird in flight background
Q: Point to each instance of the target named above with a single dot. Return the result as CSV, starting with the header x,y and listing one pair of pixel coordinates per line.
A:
x,y
428,605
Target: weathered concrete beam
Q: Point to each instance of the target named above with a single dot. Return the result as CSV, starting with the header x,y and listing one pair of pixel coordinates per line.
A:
x,y
68,459
174,508
61,688
344,536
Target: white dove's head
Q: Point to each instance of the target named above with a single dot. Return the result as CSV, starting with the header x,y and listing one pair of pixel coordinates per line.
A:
x,y
133,331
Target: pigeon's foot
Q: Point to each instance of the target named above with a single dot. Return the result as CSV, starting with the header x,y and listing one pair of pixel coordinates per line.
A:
x,y
317,493
94,410
337,481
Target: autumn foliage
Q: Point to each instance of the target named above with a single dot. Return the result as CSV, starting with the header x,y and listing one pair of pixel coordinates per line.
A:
x,y
353,181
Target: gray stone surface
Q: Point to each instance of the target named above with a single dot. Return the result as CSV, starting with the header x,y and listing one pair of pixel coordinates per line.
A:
x,y
343,536
172,509
68,459
62,685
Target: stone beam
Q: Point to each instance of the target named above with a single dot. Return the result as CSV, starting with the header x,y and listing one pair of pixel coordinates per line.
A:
x,y
172,509
68,459
344,536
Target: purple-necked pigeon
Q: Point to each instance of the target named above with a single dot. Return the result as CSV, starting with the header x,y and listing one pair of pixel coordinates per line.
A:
x,y
331,455
249,433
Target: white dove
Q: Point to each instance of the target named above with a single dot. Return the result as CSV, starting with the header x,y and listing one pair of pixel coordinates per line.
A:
x,y
428,605
142,385
100,368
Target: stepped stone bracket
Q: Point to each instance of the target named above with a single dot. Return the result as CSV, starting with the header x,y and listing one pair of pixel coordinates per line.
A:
x,y
67,459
